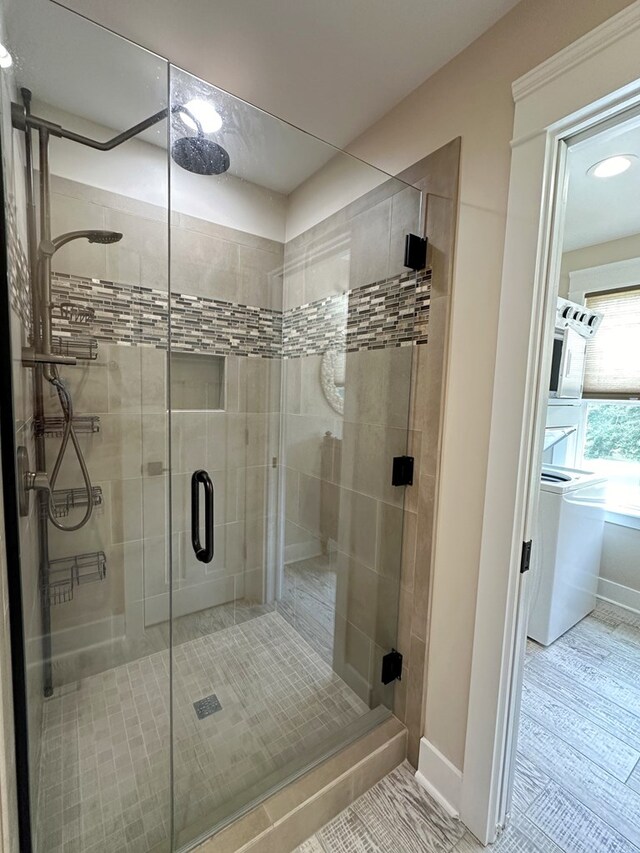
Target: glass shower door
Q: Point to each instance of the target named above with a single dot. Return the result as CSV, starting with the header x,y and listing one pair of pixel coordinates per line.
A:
x,y
293,325
87,236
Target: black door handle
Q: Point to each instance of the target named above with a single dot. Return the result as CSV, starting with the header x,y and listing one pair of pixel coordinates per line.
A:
x,y
205,555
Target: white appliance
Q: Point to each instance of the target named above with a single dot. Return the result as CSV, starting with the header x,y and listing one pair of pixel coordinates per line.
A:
x,y
564,419
575,324
567,552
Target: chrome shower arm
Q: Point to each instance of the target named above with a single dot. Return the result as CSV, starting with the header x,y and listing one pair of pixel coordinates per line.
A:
x,y
22,120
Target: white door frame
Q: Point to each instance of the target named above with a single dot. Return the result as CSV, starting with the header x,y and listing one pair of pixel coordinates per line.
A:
x,y
593,79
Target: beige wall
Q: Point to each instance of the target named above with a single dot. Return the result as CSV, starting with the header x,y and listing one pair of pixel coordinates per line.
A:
x,y
471,97
594,256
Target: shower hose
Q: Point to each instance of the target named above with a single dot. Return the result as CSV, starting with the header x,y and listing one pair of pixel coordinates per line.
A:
x,y
66,404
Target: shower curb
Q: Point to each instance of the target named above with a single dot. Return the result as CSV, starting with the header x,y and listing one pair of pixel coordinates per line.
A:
x,y
286,819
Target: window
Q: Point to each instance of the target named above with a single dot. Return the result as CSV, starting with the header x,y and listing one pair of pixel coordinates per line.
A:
x,y
612,374
612,368
612,448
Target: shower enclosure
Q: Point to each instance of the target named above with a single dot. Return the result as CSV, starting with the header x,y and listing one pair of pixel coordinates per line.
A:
x,y
211,326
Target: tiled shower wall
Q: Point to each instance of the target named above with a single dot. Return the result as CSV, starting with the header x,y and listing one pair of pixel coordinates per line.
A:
x,y
345,286
226,300
337,474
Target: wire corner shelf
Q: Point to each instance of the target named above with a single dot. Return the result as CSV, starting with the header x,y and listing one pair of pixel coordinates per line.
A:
x,y
82,348
66,573
54,426
66,500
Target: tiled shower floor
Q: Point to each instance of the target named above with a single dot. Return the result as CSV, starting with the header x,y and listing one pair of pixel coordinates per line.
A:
x,y
104,783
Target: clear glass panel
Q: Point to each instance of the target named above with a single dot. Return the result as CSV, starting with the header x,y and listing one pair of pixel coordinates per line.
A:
x,y
291,321
97,674
289,266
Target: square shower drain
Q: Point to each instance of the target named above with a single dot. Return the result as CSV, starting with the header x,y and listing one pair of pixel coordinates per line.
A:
x,y
207,706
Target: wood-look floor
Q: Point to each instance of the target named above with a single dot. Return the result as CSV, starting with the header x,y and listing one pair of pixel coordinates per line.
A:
x,y
577,781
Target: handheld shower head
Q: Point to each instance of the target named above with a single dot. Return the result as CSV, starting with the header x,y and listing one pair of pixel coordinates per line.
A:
x,y
50,247
104,236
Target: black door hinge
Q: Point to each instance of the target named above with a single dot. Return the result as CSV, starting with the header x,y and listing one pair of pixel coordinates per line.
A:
x,y
415,252
402,473
391,667
525,559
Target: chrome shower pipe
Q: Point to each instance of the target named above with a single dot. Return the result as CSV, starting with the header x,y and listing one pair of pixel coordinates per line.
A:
x,y
38,407
50,371
43,264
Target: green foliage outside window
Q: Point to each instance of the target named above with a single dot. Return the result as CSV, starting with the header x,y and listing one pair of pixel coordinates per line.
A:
x,y
613,432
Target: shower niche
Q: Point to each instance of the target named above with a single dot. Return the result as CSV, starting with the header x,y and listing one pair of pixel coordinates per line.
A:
x,y
215,340
197,382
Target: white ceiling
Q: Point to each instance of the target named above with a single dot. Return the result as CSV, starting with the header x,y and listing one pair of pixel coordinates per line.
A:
x,y
603,209
86,71
331,67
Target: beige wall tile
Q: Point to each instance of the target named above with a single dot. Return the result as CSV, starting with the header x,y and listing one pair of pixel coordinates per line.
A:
x,y
124,378
204,266
366,463
356,526
378,386
126,510
259,276
259,383
141,257
326,274
358,651
370,245
292,370
390,533
188,441
303,440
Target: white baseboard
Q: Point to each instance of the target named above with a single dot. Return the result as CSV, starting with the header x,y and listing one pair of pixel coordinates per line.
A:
x,y
616,593
440,779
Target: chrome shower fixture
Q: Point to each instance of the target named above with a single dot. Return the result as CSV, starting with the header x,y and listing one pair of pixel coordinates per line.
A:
x,y
196,154
50,247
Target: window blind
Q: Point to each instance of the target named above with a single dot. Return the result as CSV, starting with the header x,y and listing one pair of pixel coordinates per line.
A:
x,y
612,367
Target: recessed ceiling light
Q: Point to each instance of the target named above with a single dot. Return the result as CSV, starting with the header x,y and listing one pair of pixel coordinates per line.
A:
x,y
205,113
5,57
612,166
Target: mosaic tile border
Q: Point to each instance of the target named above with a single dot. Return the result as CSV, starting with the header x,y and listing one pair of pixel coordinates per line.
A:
x,y
393,312
135,315
389,313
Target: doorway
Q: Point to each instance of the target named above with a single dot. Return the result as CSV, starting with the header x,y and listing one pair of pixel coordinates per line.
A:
x,y
561,107
575,779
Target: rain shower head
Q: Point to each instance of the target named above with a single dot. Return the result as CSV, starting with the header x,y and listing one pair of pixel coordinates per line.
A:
x,y
197,154
200,155
103,237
